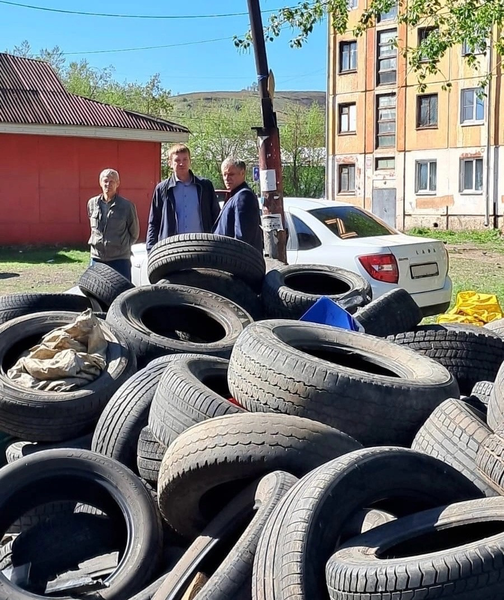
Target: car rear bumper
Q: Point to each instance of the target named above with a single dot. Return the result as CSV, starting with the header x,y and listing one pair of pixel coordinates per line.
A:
x,y
431,302
434,302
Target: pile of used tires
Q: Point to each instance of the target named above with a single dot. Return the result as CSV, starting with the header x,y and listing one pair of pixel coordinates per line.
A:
x,y
231,451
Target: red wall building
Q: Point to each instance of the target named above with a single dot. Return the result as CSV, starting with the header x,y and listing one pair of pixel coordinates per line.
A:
x,y
53,146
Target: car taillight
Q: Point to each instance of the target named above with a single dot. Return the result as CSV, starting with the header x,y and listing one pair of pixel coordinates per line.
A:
x,y
382,267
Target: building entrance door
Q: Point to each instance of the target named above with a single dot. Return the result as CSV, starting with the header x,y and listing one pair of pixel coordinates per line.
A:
x,y
383,205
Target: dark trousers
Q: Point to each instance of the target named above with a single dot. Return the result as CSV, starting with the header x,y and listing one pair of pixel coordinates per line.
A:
x,y
121,265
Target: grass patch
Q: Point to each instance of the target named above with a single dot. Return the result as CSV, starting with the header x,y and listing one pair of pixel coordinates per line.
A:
x,y
490,239
35,255
41,268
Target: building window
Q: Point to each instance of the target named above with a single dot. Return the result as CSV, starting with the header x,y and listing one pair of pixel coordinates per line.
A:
x,y
472,108
390,15
423,34
426,176
384,163
346,179
387,57
347,118
348,56
352,4
479,48
427,110
385,120
471,175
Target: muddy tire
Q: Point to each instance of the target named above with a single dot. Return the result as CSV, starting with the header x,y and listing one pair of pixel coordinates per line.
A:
x,y
210,462
467,556
192,389
288,292
305,528
394,312
453,433
206,251
103,284
175,319
126,414
376,391
469,352
43,416
95,480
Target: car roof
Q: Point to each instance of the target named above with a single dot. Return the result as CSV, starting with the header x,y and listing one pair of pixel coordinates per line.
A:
x,y
311,203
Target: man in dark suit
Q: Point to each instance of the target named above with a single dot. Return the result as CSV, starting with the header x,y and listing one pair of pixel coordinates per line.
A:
x,y
240,217
183,203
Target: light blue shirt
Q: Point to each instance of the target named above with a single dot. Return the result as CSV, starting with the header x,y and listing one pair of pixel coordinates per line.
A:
x,y
187,208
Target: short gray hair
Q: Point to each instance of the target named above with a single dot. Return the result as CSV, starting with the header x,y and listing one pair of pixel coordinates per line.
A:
x,y
112,173
231,161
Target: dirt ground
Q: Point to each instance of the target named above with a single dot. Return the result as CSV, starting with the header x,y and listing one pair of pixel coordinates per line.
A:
x,y
39,278
470,252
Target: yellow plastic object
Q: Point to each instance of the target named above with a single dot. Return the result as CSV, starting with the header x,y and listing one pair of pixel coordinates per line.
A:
x,y
474,308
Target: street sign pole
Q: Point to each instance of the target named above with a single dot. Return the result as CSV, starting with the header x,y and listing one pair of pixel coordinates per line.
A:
x,y
270,165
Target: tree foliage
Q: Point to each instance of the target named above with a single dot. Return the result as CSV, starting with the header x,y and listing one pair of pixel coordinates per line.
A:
x,y
472,22
302,138
79,77
225,128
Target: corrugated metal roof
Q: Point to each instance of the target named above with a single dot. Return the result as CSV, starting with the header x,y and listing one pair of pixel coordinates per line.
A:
x,y
32,94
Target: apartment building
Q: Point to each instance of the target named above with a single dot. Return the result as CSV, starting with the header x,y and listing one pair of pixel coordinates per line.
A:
x,y
413,158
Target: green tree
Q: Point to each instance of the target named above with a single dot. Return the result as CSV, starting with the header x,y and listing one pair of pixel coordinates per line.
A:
x,y
302,139
221,129
472,22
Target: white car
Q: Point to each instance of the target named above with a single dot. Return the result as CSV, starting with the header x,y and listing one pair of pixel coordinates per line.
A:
x,y
326,232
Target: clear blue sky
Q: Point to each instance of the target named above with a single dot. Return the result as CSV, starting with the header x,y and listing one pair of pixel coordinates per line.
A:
x,y
213,65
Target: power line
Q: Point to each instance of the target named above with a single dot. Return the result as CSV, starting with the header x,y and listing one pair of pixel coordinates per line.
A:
x,y
145,47
121,16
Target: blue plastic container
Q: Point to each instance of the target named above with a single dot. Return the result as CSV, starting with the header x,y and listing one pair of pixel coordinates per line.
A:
x,y
327,312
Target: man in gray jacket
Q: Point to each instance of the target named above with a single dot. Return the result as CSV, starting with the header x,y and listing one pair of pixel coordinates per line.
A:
x,y
114,225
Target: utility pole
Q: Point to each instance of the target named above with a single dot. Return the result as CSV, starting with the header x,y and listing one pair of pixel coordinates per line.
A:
x,y
270,165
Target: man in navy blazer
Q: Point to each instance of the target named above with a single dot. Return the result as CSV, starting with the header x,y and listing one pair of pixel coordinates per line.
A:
x,y
240,217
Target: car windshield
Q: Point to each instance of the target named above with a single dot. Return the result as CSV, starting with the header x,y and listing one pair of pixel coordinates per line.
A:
x,y
350,222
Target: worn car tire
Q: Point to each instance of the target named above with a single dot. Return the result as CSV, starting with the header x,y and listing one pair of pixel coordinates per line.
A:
x,y
465,562
497,326
368,387
19,449
490,459
95,480
126,414
17,305
231,580
306,526
153,319
469,352
59,544
393,312
483,390
149,456
192,389
288,292
495,413
453,433
103,283
215,458
206,251
42,416
221,283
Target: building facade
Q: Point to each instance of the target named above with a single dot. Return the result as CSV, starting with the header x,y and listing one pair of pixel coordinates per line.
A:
x,y
414,158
